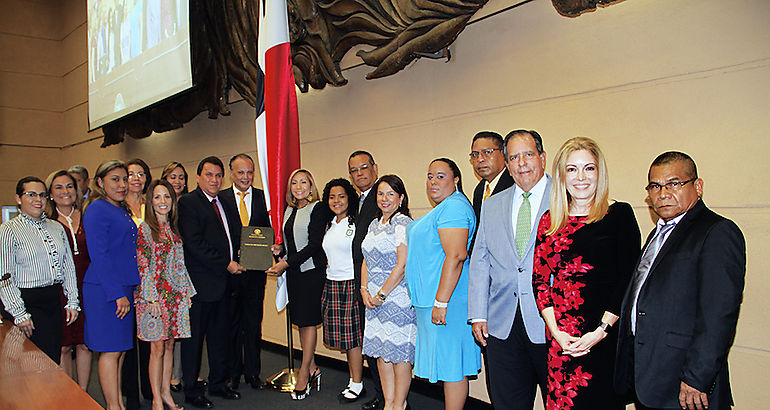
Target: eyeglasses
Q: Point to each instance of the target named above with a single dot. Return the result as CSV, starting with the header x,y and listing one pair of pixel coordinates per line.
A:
x,y
655,187
362,168
33,195
486,153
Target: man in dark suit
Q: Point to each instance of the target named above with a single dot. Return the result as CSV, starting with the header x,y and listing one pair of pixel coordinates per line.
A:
x,y
363,173
489,163
681,308
210,259
246,291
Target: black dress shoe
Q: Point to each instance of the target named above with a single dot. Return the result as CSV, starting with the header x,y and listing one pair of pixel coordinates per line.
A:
x,y
255,382
176,388
235,382
373,404
226,393
200,402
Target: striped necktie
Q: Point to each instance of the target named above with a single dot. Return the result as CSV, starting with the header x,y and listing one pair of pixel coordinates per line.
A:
x,y
523,224
244,211
644,268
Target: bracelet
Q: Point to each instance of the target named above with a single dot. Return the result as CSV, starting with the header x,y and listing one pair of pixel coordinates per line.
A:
x,y
440,305
365,288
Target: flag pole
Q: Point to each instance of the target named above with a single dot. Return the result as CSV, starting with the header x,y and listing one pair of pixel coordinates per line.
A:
x,y
285,380
277,134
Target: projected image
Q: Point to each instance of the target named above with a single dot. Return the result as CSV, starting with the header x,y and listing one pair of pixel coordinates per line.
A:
x,y
138,54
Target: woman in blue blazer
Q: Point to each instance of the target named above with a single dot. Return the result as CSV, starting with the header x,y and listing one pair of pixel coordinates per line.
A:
x,y
108,287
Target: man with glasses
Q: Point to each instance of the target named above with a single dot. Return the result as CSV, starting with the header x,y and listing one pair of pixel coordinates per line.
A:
x,y
36,262
681,307
363,174
489,163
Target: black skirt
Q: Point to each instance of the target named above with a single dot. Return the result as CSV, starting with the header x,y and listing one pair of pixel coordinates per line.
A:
x,y
305,289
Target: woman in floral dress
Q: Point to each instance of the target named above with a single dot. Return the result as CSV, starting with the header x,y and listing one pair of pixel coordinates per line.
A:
x,y
163,297
585,254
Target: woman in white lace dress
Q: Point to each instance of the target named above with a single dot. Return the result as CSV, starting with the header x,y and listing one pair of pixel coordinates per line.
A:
x,y
390,330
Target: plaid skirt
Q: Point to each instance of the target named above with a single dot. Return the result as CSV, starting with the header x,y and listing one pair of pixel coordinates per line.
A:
x,y
343,328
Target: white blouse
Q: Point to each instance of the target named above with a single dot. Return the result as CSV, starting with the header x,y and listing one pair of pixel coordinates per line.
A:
x,y
338,246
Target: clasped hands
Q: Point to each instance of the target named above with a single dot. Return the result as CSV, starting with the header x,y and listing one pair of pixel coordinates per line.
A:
x,y
369,301
578,346
279,267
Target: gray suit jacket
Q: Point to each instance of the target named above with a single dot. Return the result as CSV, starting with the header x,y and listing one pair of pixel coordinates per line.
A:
x,y
499,279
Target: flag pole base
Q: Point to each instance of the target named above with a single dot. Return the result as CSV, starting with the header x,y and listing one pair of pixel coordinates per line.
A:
x,y
283,381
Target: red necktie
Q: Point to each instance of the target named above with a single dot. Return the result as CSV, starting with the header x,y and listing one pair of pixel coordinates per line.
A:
x,y
216,209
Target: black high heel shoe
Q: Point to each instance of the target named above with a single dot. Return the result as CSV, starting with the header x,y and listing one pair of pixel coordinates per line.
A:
x,y
315,378
304,393
301,394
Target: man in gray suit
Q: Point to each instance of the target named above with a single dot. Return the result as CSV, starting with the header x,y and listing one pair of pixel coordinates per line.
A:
x,y
501,303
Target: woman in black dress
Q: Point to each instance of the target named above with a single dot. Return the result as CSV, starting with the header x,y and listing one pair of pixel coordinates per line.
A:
x,y
304,223
66,207
585,254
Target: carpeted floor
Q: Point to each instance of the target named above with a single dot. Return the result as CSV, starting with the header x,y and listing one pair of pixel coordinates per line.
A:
x,y
334,378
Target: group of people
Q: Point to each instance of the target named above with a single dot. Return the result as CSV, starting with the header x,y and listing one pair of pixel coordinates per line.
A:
x,y
122,262
544,274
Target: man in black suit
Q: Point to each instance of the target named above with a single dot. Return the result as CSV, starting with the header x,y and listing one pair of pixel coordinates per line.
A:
x,y
210,259
246,291
363,173
681,308
489,163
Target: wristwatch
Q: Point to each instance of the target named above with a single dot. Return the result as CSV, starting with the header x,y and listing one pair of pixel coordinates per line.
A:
x,y
381,296
605,326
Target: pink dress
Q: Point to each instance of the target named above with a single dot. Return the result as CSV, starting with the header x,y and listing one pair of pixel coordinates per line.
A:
x,y
164,279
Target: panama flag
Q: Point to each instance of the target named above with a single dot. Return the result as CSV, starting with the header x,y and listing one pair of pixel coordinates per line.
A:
x,y
277,119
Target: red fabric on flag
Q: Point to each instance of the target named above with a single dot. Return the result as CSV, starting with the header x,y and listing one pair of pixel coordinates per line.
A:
x,y
282,125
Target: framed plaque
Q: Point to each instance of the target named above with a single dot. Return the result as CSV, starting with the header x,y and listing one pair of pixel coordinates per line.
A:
x,y
255,247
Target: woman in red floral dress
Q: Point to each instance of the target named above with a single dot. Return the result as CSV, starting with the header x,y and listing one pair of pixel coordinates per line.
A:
x,y
584,258
163,297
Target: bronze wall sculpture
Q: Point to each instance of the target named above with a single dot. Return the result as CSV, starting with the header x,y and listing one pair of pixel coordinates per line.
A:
x,y
224,49
574,8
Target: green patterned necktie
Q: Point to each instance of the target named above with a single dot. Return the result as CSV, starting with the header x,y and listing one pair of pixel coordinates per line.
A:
x,y
523,225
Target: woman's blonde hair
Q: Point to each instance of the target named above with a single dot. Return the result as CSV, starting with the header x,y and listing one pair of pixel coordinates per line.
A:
x,y
97,192
50,205
290,200
560,198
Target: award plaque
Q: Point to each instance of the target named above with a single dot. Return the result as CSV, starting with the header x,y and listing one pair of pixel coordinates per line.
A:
x,y
255,247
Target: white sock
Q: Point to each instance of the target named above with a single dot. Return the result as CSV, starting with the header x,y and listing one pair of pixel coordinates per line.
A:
x,y
355,388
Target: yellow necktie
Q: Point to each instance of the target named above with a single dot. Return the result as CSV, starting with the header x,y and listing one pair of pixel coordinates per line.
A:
x,y
487,192
243,210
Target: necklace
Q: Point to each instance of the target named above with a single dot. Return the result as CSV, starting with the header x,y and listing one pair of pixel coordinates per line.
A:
x,y
68,218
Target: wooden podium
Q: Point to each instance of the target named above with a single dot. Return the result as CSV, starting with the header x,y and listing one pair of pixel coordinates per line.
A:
x,y
31,380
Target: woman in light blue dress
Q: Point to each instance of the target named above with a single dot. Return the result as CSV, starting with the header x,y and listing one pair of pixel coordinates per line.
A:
x,y
390,332
437,277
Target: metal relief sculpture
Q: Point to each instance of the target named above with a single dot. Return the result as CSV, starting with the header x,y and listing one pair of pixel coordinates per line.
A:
x,y
574,8
224,49
400,31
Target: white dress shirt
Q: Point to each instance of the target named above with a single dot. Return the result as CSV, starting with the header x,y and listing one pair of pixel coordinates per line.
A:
x,y
535,198
223,217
